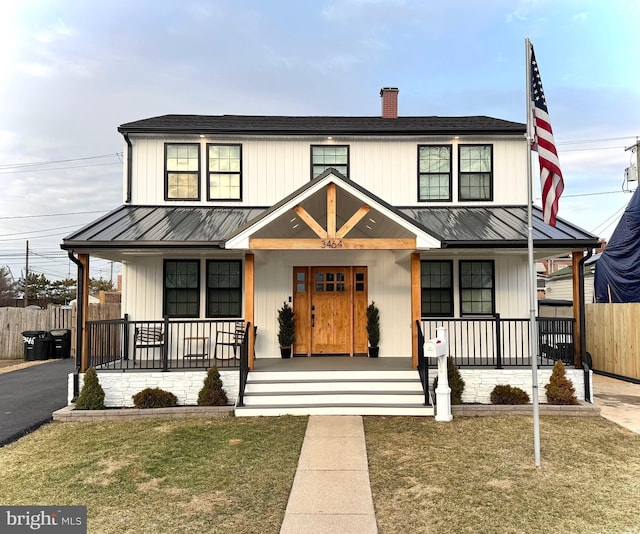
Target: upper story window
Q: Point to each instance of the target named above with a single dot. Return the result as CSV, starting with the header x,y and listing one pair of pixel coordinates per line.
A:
x,y
182,171
325,156
477,287
224,163
181,288
476,172
434,172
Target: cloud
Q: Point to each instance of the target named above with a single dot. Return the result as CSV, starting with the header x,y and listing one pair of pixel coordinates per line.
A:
x,y
343,10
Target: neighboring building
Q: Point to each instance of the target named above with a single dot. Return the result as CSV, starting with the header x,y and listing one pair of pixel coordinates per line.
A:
x,y
225,217
559,285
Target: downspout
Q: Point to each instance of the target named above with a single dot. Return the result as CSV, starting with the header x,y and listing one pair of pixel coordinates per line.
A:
x,y
129,167
583,335
79,322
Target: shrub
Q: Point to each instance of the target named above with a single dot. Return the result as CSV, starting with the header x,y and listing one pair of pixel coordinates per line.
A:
x,y
504,394
92,395
560,390
373,325
456,382
286,326
212,393
154,398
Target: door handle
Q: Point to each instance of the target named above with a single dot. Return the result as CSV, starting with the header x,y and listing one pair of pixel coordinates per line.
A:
x,y
313,320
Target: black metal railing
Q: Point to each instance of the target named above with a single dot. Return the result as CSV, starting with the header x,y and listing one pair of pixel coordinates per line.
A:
x,y
423,365
244,365
166,344
496,342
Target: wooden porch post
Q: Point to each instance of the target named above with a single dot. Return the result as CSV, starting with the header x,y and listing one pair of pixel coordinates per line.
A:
x,y
576,256
84,364
415,306
249,289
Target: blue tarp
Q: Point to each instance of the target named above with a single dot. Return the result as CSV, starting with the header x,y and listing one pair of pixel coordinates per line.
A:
x,y
617,276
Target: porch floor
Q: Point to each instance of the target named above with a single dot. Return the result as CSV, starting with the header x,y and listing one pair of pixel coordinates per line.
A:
x,y
332,363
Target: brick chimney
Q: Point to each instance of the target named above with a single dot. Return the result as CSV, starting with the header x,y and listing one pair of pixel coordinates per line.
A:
x,y
389,102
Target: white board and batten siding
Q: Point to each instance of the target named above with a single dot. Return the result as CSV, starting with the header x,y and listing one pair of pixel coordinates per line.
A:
x,y
389,284
273,168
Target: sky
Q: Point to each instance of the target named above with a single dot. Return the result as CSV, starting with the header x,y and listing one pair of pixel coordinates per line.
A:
x,y
74,70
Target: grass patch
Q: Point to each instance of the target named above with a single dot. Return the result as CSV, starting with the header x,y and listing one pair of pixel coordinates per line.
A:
x,y
478,475
218,475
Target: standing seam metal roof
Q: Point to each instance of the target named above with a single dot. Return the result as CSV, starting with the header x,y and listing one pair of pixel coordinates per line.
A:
x,y
188,226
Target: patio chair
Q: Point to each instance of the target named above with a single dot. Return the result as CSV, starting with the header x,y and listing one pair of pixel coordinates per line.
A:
x,y
147,337
229,339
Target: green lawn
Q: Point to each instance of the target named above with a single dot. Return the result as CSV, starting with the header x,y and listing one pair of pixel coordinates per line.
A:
x,y
478,475
219,475
234,475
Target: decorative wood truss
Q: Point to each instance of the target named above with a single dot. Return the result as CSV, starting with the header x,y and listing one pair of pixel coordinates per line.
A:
x,y
332,237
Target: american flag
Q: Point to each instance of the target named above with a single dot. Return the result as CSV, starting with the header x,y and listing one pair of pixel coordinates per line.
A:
x,y
550,173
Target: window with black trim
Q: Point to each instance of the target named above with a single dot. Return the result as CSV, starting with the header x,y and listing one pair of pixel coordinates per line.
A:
x,y
436,285
224,167
224,288
434,172
181,288
182,171
477,287
326,156
475,177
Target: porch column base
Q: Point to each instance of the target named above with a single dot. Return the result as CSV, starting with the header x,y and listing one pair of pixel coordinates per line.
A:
x,y
443,392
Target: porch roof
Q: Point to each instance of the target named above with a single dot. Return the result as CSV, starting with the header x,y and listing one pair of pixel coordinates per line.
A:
x,y
166,227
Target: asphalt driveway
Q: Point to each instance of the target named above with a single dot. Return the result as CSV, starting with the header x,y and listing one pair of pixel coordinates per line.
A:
x,y
29,396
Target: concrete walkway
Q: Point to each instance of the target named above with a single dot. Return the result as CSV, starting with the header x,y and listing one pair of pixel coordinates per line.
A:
x,y
619,401
331,493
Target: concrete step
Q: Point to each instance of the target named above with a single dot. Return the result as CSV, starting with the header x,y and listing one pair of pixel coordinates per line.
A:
x,y
268,386
284,398
336,409
272,393
331,375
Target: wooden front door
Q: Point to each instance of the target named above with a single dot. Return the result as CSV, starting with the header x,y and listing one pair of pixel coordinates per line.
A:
x,y
330,305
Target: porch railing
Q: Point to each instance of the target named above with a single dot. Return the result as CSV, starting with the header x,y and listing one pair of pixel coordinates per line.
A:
x,y
423,366
496,342
168,344
244,366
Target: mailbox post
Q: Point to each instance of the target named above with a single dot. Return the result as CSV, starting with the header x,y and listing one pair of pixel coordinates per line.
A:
x,y
439,348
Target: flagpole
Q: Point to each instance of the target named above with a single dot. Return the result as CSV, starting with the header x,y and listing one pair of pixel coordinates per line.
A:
x,y
533,337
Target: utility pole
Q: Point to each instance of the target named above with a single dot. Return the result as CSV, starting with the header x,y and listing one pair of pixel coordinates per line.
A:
x,y
26,277
635,148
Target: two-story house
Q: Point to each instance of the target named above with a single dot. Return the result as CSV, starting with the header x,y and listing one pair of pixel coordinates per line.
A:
x,y
227,217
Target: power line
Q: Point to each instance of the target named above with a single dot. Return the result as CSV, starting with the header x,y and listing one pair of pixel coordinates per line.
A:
x,y
51,215
602,140
2,171
52,162
39,231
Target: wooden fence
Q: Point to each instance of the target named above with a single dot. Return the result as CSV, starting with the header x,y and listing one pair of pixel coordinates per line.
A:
x,y
613,338
14,321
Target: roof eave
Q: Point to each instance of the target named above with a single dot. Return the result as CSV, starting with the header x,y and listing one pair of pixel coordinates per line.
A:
x,y
323,131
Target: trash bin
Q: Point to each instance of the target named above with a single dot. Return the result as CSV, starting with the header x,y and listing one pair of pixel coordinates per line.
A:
x,y
29,339
42,347
61,343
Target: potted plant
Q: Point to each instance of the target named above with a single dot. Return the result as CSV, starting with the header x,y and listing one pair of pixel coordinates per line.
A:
x,y
373,329
286,330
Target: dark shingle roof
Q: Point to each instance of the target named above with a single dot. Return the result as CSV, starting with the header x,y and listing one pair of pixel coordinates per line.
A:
x,y
247,124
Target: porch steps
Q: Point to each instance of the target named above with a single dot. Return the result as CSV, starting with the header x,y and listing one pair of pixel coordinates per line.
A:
x,y
273,393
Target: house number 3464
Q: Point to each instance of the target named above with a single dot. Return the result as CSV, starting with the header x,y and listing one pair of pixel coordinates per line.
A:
x,y
331,243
